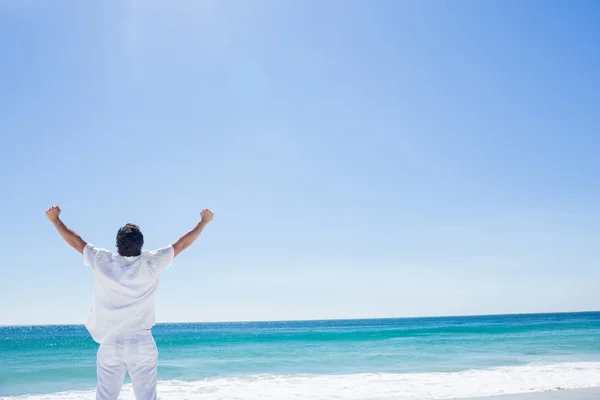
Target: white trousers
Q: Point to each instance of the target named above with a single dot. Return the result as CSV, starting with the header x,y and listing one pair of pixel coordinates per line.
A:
x,y
135,353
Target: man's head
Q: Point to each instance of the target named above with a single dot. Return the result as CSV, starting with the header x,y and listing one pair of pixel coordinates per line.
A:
x,y
130,240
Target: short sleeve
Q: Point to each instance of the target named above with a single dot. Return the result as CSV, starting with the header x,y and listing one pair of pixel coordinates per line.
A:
x,y
89,255
162,259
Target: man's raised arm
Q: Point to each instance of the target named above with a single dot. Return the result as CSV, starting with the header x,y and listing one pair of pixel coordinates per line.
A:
x,y
186,240
70,236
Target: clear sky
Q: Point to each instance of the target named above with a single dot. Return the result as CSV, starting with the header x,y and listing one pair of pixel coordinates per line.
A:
x,y
362,158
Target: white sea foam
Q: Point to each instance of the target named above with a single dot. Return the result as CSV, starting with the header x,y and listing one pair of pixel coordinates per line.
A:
x,y
464,384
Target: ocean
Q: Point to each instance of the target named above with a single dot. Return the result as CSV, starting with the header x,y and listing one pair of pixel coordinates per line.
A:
x,y
415,358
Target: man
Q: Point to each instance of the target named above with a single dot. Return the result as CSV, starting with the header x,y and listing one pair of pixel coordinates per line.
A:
x,y
122,313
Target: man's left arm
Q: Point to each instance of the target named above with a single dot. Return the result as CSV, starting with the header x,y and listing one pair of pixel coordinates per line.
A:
x,y
70,236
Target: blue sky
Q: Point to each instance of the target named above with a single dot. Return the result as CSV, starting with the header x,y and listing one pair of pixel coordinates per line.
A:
x,y
362,159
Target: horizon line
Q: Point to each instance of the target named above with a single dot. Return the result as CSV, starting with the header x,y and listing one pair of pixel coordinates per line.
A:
x,y
331,319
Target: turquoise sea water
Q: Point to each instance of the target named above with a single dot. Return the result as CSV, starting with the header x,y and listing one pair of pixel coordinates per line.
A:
x,y
384,359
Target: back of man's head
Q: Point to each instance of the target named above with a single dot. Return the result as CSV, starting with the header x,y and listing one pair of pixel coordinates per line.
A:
x,y
130,240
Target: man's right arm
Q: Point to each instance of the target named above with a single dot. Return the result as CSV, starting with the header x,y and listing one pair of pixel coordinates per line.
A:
x,y
186,240
69,235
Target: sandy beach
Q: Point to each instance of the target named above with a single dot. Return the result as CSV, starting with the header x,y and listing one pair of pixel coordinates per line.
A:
x,y
577,394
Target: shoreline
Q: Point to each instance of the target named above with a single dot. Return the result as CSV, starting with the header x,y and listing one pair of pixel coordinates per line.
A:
x,y
127,393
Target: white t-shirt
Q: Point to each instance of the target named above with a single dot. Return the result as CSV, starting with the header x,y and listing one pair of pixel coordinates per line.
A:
x,y
124,290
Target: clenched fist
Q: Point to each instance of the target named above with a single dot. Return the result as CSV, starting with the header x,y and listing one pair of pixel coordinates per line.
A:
x,y
207,215
52,213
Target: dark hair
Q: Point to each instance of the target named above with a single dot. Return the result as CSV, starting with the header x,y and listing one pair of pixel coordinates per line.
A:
x,y
130,240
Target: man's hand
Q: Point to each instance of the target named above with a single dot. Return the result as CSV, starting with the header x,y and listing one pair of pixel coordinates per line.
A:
x,y
207,215
52,213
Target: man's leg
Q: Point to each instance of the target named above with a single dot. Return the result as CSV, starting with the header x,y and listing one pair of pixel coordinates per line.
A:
x,y
142,362
110,369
